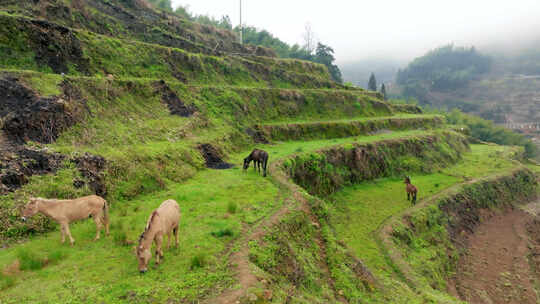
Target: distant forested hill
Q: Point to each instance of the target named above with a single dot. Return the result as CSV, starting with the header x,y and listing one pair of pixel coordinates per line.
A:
x,y
503,87
442,70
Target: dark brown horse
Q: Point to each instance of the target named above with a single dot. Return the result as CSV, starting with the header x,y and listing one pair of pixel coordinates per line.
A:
x,y
259,157
411,190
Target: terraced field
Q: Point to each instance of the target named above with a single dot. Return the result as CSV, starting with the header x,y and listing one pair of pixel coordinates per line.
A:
x,y
119,99
359,211
218,207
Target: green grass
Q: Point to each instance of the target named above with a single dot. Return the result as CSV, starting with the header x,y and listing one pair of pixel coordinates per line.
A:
x,y
534,167
102,55
6,281
351,119
215,206
358,211
198,267
152,156
283,149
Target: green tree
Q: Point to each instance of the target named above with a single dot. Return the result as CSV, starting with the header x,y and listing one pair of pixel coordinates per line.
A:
x,y
183,11
486,130
165,5
372,84
383,91
325,55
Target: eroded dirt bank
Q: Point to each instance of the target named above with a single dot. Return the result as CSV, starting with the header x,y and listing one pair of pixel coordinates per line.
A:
x,y
501,261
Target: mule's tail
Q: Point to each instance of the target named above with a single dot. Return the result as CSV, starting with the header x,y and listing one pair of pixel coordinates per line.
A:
x,y
106,216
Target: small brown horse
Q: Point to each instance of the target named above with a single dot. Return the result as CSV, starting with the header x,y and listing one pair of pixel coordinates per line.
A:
x,y
411,190
259,157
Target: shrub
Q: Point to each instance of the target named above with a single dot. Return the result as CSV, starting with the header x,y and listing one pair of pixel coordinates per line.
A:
x,y
531,151
232,207
120,237
29,260
119,233
198,261
6,281
56,256
223,232
485,130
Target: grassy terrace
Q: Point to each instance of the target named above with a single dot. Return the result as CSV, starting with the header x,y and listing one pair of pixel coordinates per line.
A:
x,y
126,121
347,120
347,127
358,211
217,206
101,55
283,149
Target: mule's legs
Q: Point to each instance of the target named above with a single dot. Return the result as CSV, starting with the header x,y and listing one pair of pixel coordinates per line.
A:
x,y
175,230
107,227
264,166
63,232
169,237
97,220
66,228
159,252
106,218
408,196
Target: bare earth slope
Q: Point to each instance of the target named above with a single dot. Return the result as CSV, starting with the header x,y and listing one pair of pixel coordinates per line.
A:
x,y
497,266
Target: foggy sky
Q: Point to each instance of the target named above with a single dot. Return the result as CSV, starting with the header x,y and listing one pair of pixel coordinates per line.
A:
x,y
397,29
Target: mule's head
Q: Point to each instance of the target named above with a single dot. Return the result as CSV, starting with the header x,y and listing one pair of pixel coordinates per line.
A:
x,y
143,257
407,180
30,209
246,163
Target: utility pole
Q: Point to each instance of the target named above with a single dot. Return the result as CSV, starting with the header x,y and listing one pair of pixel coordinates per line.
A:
x,y
241,25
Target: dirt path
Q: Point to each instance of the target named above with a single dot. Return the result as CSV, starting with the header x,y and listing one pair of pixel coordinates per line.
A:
x,y
245,277
496,268
240,259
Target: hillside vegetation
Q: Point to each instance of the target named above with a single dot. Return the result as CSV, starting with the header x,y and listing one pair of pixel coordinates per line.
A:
x,y
498,88
140,105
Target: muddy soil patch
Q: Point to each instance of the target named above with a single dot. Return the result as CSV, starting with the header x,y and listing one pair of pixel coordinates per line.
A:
x,y
26,116
14,95
18,164
56,46
92,167
213,157
173,102
495,268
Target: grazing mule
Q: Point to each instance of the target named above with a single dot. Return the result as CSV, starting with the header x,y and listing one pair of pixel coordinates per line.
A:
x,y
411,190
259,157
67,211
162,221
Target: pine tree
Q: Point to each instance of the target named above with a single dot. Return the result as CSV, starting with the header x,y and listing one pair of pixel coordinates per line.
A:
x,y
165,5
372,84
325,55
383,91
